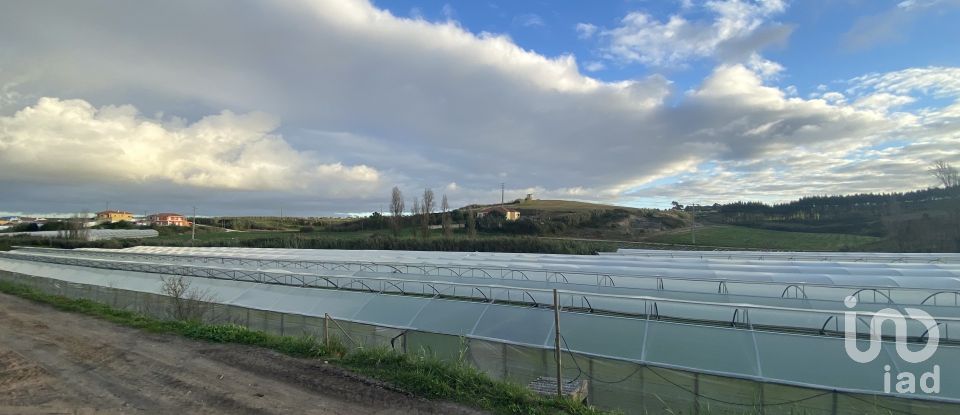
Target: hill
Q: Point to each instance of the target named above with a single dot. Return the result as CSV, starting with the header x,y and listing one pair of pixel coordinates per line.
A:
x,y
917,221
739,237
584,220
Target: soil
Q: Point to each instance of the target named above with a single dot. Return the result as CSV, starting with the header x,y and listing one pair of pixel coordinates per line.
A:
x,y
54,362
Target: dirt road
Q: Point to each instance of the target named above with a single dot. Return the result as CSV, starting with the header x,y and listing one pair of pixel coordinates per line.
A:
x,y
57,362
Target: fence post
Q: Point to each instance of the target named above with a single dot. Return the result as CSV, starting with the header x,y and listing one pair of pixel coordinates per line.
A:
x,y
326,329
556,322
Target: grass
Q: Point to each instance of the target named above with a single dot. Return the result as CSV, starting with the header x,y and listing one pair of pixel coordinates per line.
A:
x,y
423,376
565,206
743,237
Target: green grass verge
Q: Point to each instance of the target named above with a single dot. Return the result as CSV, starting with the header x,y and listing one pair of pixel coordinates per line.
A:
x,y
420,375
743,237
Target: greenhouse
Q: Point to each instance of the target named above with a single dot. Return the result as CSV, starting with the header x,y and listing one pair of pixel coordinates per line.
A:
x,y
649,330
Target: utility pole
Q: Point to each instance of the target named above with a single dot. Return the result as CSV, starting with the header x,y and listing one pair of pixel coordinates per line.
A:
x,y
501,193
193,226
693,212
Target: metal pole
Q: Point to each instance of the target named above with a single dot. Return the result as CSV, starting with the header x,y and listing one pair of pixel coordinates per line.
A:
x,y
556,340
193,226
693,216
694,225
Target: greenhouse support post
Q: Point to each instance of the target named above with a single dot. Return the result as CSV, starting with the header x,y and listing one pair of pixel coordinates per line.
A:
x,y
556,340
326,329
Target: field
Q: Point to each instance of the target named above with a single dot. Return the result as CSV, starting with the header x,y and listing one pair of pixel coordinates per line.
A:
x,y
55,361
742,237
565,206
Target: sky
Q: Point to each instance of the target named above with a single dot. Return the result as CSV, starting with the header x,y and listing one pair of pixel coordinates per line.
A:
x,y
320,107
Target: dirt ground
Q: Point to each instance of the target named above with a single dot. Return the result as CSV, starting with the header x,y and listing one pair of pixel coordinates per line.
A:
x,y
53,362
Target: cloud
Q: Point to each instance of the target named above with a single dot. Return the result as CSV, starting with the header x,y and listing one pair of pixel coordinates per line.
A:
x,y
764,67
938,81
529,20
642,38
893,157
362,100
585,30
891,25
449,12
70,141
880,101
593,66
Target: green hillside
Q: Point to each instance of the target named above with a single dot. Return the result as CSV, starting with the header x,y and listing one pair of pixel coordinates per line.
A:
x,y
576,219
727,236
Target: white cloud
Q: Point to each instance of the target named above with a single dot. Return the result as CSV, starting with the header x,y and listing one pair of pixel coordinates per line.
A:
x,y
891,157
891,25
880,101
937,81
763,67
530,20
70,141
416,13
833,97
643,38
585,30
377,100
593,66
449,12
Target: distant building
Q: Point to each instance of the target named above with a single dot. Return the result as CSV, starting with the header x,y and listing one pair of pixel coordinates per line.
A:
x,y
10,219
114,216
509,214
168,219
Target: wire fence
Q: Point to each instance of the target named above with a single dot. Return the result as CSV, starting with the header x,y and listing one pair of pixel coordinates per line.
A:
x,y
612,384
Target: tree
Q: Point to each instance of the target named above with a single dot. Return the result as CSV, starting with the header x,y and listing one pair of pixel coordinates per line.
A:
x,y
74,228
945,173
185,303
415,209
428,202
445,219
396,209
471,223
427,208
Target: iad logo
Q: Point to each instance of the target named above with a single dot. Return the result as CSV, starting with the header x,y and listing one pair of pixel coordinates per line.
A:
x,y
906,381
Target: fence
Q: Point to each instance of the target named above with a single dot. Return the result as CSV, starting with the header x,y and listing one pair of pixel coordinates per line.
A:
x,y
613,384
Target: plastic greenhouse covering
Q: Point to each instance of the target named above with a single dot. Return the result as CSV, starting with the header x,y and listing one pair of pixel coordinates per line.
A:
x,y
93,234
779,319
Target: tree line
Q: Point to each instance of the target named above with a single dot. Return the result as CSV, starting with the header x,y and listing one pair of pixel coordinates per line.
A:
x,y
422,214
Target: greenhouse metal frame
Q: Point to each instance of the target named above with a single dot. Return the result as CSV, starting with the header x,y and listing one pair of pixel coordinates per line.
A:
x,y
797,343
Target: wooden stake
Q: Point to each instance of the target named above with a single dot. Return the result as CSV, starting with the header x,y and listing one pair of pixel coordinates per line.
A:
x,y
326,329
